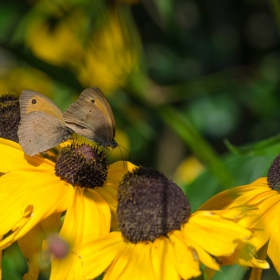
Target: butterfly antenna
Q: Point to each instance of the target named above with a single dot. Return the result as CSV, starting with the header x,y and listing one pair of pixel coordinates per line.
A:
x,y
125,150
122,156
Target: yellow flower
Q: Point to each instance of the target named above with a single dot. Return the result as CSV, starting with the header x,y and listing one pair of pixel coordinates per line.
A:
x,y
103,53
159,238
194,167
52,32
263,194
33,198
32,242
26,78
112,53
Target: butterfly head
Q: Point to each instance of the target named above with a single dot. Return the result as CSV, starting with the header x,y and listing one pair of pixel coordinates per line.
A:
x,y
107,143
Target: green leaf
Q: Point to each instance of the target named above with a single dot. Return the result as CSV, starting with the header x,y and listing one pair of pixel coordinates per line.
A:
x,y
233,272
257,148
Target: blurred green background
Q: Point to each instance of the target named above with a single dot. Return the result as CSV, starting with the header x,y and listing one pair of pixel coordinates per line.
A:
x,y
193,84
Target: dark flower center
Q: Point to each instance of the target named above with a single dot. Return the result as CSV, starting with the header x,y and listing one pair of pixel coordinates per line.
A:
x,y
273,174
82,165
150,205
9,116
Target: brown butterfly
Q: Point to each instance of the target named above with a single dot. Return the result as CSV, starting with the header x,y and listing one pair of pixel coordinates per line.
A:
x,y
92,117
42,125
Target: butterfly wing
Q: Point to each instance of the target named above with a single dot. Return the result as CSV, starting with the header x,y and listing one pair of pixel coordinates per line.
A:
x,y
42,125
32,101
92,117
39,131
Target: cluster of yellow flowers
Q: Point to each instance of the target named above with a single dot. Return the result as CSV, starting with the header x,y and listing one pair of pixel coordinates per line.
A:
x,y
88,217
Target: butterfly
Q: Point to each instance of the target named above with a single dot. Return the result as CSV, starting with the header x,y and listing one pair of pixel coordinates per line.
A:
x,y
44,126
92,117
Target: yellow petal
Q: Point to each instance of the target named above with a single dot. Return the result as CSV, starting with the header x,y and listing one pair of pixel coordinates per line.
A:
x,y
254,197
225,198
256,273
185,258
117,171
143,260
97,255
51,224
215,235
69,268
134,262
12,181
237,212
262,221
109,190
30,245
163,260
15,157
15,189
112,202
109,198
274,242
88,218
34,200
121,263
204,257
244,255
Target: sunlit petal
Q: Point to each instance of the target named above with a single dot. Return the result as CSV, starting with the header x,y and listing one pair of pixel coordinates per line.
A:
x,y
88,218
225,198
256,273
23,210
67,268
134,262
15,157
163,259
31,245
274,242
121,263
214,225
117,171
244,255
186,259
260,222
97,255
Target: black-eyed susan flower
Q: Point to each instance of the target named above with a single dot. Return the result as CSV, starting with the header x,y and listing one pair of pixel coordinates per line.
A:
x,y
159,238
264,195
9,116
36,191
